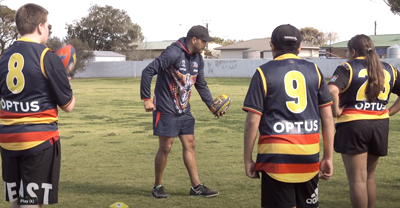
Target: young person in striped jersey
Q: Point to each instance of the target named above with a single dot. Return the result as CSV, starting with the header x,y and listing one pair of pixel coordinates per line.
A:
x,y
285,101
360,89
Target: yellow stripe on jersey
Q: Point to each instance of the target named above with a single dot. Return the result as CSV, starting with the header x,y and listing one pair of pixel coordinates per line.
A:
x,y
17,146
27,40
350,79
394,74
295,149
293,177
41,62
355,117
319,76
287,56
253,110
28,120
263,80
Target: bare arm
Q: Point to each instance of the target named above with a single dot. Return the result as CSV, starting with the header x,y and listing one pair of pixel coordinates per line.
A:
x,y
70,106
328,133
335,97
395,107
250,134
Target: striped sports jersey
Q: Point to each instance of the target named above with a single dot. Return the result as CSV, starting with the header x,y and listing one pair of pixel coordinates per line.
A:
x,y
352,79
30,93
288,92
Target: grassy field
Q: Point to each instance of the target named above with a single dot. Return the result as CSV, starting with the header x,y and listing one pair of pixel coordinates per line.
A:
x,y
108,151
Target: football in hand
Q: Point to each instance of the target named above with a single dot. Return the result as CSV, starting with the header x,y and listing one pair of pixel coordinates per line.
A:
x,y
220,104
68,56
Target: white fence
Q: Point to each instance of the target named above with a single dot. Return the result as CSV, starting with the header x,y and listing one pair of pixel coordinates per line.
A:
x,y
212,68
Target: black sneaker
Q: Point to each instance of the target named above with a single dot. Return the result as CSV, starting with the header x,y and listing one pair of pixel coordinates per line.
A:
x,y
202,191
159,192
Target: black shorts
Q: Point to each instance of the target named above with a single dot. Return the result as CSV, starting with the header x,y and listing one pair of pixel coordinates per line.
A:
x,y
171,125
287,195
37,173
356,137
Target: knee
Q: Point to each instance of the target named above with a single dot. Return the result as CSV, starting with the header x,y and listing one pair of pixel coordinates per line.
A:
x,y
165,147
190,145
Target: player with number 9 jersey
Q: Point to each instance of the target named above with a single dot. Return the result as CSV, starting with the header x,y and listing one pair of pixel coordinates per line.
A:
x,y
285,101
288,92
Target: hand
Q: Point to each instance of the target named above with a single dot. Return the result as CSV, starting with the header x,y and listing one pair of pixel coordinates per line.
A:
x,y
148,106
325,169
249,168
220,114
340,111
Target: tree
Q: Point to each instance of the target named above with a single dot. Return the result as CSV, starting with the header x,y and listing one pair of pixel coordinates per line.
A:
x,y
8,29
83,52
331,37
106,29
394,6
313,36
222,41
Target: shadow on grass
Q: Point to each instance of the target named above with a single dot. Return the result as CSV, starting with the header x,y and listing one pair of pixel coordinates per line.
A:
x,y
105,189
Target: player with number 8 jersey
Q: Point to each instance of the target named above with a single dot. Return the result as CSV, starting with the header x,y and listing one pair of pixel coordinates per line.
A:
x,y
33,84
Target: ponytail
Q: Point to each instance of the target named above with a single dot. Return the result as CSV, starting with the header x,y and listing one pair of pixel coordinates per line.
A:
x,y
376,76
364,46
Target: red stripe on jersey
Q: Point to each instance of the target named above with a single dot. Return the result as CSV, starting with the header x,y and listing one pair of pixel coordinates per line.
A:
x,y
54,139
47,113
252,110
366,112
326,105
287,168
28,136
289,139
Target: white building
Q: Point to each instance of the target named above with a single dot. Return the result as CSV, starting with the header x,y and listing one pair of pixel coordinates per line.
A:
x,y
260,49
107,56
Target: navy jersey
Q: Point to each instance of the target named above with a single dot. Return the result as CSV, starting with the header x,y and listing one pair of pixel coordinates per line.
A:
x,y
352,78
33,82
177,72
288,92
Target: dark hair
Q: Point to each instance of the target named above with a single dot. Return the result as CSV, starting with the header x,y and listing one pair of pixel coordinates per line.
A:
x,y
364,46
28,17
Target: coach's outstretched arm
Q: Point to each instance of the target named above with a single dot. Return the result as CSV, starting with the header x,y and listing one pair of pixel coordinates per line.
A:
x,y
328,134
202,87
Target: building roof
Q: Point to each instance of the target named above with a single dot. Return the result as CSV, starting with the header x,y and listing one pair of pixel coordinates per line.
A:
x,y
259,44
380,41
107,54
157,45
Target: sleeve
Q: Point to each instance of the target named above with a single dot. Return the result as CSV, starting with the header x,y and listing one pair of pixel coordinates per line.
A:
x,y
340,77
58,78
255,97
161,63
324,95
396,86
201,86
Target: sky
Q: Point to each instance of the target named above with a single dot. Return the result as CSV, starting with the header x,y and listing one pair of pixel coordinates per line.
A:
x,y
241,20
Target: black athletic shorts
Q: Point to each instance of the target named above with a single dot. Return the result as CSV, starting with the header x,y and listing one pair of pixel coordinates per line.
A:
x,y
287,195
356,137
171,125
38,174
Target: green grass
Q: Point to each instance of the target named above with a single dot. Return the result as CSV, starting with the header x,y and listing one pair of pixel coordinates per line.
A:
x,y
108,153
